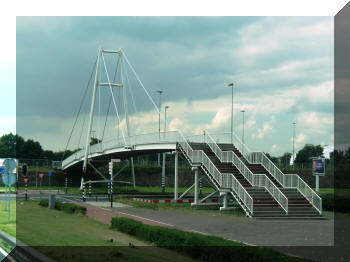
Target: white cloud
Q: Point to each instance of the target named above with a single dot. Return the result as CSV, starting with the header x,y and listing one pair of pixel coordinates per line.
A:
x,y
275,148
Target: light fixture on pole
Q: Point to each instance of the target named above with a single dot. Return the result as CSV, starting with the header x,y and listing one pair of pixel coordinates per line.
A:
x,y
159,109
165,108
293,142
231,84
243,130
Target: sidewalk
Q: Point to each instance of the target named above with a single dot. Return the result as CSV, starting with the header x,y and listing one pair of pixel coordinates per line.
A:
x,y
105,215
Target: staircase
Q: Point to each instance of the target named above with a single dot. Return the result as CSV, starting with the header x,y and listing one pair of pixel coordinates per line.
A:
x,y
259,193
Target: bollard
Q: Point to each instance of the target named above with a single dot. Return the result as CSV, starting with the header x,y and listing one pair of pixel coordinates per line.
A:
x,y
52,199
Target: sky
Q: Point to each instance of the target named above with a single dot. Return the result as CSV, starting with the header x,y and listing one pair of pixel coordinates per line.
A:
x,y
281,67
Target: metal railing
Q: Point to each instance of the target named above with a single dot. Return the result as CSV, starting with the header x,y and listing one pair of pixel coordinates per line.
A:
x,y
224,180
229,181
283,179
260,180
294,181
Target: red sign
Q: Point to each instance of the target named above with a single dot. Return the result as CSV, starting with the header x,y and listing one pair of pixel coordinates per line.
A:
x,y
26,180
41,175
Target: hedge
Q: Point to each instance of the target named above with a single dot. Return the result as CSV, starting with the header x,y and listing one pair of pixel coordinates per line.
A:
x,y
69,208
202,247
337,203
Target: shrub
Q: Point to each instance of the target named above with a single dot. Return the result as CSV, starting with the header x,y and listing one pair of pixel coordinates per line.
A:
x,y
69,208
44,203
201,247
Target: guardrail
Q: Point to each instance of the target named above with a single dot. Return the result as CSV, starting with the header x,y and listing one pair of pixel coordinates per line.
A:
x,y
256,180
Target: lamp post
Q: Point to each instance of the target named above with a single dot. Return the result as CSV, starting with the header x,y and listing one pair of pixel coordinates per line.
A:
x,y
231,84
243,131
293,142
159,108
163,167
165,108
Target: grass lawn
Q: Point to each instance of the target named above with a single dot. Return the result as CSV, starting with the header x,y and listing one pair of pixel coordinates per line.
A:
x,y
40,226
210,209
4,189
8,226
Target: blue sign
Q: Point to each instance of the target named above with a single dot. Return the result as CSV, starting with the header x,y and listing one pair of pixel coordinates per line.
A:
x,y
318,166
9,179
2,171
49,174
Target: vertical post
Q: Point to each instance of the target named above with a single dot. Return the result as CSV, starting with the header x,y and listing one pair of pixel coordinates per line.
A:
x,y
87,143
109,191
163,174
84,192
196,185
26,189
225,201
317,183
132,173
159,108
243,132
89,188
200,186
293,142
66,184
176,182
231,84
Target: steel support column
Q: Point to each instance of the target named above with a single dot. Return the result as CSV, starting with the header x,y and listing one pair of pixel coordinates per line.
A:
x,y
176,183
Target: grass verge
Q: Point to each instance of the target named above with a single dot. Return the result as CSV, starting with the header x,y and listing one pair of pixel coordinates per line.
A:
x,y
65,237
178,206
8,226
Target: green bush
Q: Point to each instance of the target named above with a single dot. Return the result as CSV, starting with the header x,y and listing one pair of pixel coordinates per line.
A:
x,y
44,203
201,247
337,203
69,208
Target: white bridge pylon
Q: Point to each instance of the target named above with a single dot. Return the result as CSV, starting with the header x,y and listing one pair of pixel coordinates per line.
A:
x,y
120,55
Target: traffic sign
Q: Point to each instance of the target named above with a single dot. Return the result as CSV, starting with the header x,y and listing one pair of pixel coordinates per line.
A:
x,y
9,179
2,170
49,173
10,165
41,175
26,180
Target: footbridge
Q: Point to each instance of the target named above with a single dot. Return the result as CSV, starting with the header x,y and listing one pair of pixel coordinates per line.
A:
x,y
249,177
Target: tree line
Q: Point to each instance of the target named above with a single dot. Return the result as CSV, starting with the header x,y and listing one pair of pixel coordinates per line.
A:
x,y
15,146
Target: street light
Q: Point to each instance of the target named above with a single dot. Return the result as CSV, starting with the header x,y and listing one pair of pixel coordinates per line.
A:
x,y
159,108
243,130
165,108
293,142
231,84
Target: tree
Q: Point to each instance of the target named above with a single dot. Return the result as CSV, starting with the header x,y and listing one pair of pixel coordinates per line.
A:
x,y
304,155
8,146
285,158
94,141
272,158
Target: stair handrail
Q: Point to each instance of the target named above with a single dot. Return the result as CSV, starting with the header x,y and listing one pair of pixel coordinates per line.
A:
x,y
261,158
202,158
230,181
293,179
254,179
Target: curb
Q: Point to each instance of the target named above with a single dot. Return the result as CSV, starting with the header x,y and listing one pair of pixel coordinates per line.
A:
x,y
156,201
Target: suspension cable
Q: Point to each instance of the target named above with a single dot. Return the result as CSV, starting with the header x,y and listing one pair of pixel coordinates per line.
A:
x,y
138,79
130,90
81,104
